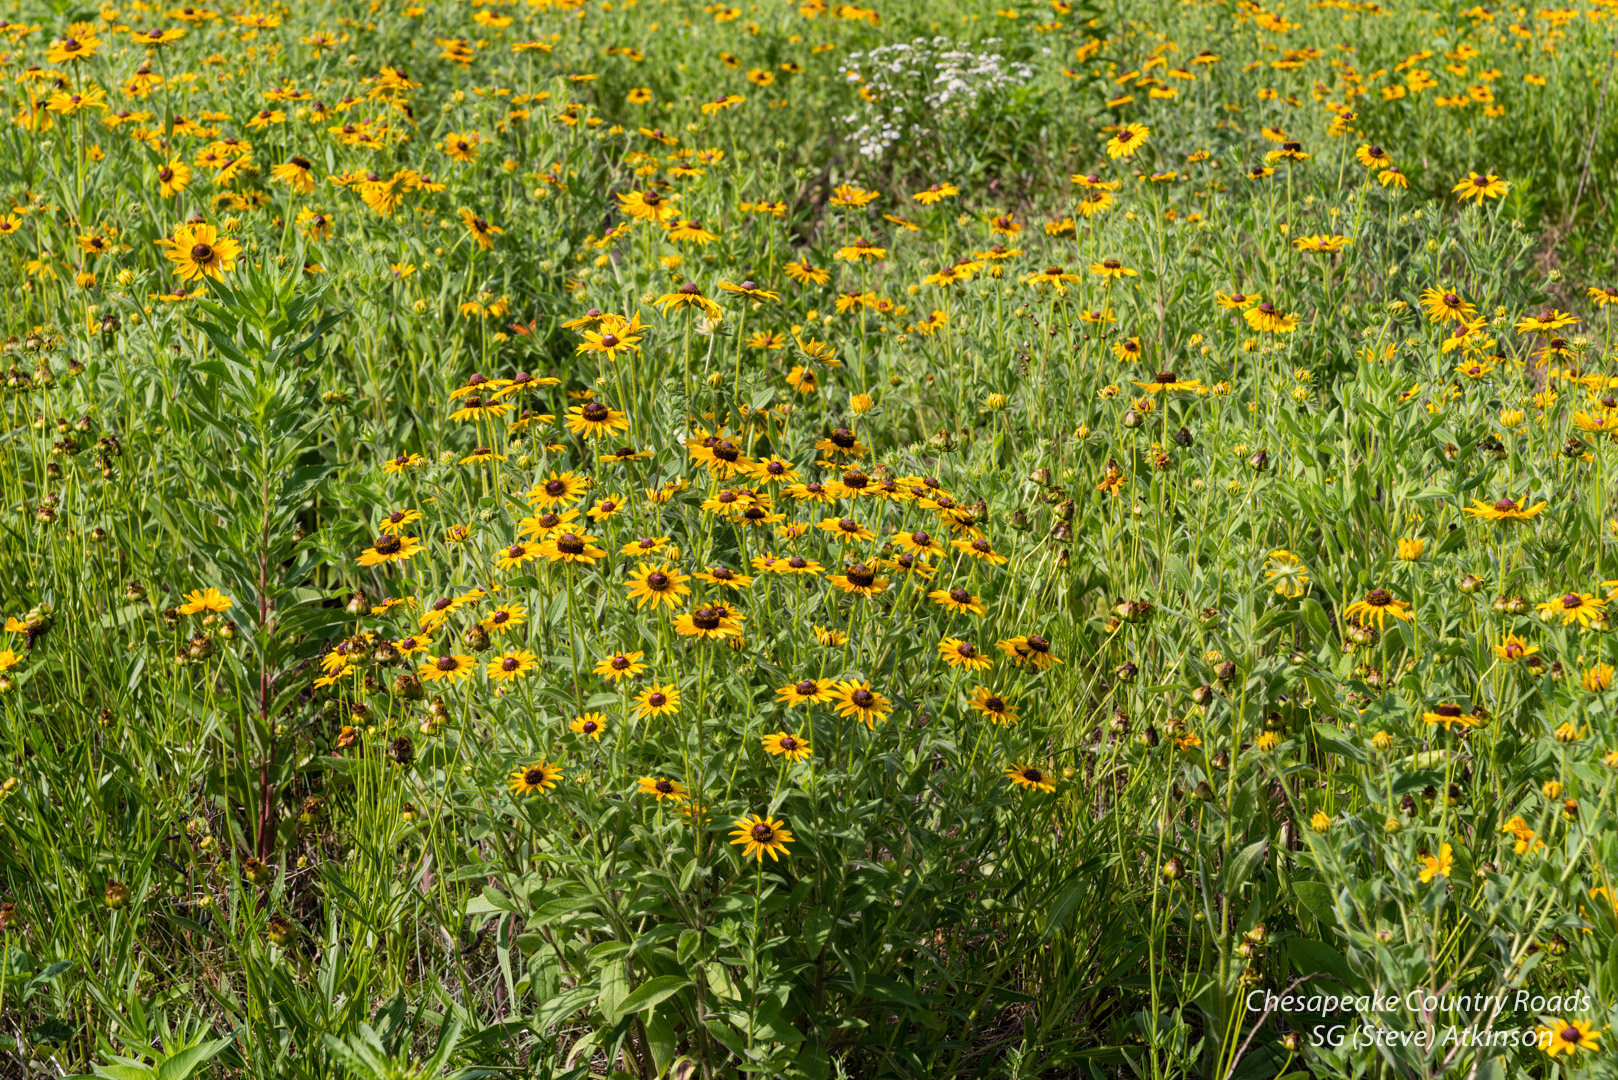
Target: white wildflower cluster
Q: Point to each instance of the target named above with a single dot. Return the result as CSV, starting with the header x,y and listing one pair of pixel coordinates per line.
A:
x,y
914,90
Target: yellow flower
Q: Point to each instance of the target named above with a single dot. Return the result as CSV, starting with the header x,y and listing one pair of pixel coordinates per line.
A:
x,y
1568,1037
1437,867
760,836
1127,140
1410,549
1581,608
209,599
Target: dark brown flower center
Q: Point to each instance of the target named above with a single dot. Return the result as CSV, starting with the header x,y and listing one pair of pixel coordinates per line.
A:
x,y
863,698
843,438
1448,710
861,576
657,579
657,700
447,663
570,544
763,834
960,596
534,777
706,619
1033,776
787,742
510,663
1572,600
595,412
201,252
665,787
555,487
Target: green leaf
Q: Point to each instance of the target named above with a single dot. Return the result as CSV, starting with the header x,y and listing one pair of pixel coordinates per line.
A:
x,y
651,993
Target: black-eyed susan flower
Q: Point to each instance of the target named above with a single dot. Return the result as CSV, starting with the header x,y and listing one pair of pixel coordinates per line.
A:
x,y
661,788
657,700
957,600
1475,187
571,547
620,666
1031,777
858,700
1127,139
480,229
595,420
541,776
724,577
592,725
1375,607
389,547
963,654
1513,648
1504,509
1443,305
1266,318
518,555
806,692
657,586
512,665
709,622
1558,1037
452,668
1031,649
784,744
1448,716
860,580
993,706
759,836
1111,269
795,565
198,250
1573,607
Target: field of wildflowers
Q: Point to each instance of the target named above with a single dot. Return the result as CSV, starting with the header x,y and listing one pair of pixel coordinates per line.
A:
x,y
640,539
